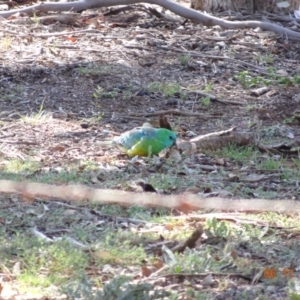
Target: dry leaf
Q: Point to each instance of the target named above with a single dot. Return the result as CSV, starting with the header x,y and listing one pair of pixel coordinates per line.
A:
x,y
185,207
220,161
234,254
71,39
169,226
146,272
56,148
158,264
174,154
208,280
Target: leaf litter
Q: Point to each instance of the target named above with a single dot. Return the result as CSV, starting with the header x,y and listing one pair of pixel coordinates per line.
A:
x,y
57,102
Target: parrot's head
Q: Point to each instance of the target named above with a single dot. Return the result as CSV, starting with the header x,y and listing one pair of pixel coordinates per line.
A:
x,y
167,136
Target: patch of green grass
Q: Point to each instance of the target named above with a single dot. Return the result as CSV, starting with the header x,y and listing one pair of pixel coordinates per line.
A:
x,y
194,262
124,248
15,169
271,164
57,261
112,210
185,59
126,95
294,296
93,120
265,59
217,228
164,182
111,94
29,279
6,42
94,71
14,92
35,19
120,287
36,119
247,81
205,101
19,166
237,153
259,192
197,295
8,97
208,87
101,93
290,120
168,89
62,177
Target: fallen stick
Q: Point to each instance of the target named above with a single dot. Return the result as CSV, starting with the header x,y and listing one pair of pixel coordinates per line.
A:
x,y
185,201
174,112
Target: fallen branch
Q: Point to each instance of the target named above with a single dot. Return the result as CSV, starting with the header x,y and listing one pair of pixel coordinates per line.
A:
x,y
31,191
194,275
217,140
190,242
174,112
176,8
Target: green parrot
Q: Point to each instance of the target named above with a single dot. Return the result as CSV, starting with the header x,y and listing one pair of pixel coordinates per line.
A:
x,y
144,141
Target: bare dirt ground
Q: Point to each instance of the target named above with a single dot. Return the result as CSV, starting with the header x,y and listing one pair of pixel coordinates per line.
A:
x,y
61,94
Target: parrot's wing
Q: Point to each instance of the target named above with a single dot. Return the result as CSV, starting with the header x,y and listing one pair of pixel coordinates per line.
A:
x,y
134,136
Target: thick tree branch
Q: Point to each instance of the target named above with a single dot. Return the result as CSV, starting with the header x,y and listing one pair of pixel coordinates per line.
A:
x,y
176,8
31,190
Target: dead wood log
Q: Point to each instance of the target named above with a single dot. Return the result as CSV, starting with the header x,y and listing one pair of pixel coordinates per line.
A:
x,y
176,8
217,140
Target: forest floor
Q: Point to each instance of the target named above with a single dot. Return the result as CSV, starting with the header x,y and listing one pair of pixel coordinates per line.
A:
x,y
62,94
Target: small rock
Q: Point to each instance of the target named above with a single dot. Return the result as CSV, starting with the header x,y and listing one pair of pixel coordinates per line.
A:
x,y
84,125
271,289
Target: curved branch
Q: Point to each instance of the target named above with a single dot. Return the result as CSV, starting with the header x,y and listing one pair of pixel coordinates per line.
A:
x,y
176,8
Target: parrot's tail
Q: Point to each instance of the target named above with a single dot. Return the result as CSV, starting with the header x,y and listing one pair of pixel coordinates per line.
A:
x,y
107,143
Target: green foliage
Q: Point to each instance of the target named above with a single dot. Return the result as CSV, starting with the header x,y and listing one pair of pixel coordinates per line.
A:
x,y
265,59
35,19
272,164
118,288
6,42
237,153
185,59
205,101
247,81
40,117
193,262
56,260
217,228
208,87
294,296
100,92
168,89
20,166
95,71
